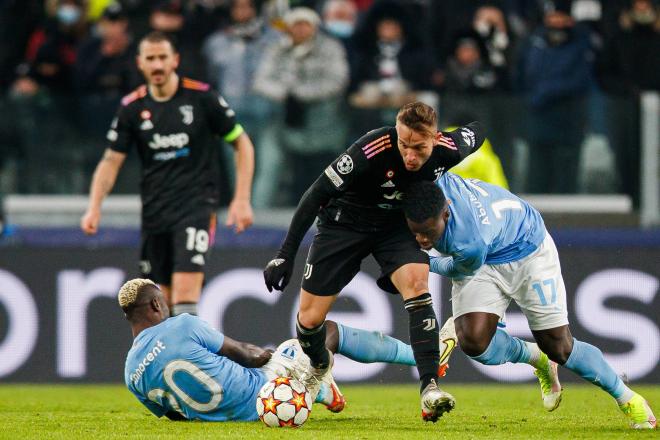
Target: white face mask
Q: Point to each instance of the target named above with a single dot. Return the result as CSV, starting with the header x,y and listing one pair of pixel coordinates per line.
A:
x,y
340,28
68,14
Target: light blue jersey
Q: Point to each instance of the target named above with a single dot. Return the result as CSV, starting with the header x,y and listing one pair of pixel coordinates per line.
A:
x,y
487,225
174,366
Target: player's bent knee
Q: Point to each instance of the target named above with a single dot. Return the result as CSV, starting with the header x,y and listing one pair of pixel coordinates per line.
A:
x,y
472,344
558,351
310,318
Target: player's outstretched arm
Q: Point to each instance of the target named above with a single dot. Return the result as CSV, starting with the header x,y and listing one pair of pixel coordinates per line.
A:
x,y
102,183
278,271
240,213
243,353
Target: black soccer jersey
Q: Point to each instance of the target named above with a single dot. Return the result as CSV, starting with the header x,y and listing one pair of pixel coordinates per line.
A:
x,y
371,177
177,142
364,187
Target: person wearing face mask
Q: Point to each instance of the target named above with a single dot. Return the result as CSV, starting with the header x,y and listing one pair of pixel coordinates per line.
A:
x,y
631,61
51,51
340,18
304,76
232,56
41,97
555,74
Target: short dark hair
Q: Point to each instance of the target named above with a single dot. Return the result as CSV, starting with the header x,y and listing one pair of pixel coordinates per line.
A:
x,y
158,37
422,201
419,117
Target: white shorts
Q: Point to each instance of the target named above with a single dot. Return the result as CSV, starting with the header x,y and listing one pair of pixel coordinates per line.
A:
x,y
534,283
289,360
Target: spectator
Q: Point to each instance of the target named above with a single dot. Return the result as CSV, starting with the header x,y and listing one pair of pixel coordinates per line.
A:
x,y
168,16
490,24
105,71
232,56
339,20
306,74
467,71
631,61
51,51
105,64
42,102
391,55
555,72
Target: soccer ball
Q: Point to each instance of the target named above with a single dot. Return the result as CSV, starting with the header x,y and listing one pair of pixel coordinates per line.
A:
x,y
284,402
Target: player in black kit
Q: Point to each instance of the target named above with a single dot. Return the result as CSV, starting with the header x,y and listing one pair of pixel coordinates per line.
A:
x,y
174,123
358,203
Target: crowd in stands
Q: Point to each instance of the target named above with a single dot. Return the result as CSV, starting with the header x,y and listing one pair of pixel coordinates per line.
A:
x,y
306,77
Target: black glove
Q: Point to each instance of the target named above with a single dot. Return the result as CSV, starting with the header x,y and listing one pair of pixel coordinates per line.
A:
x,y
278,273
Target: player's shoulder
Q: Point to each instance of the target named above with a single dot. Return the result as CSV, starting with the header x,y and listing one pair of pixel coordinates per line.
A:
x,y
195,86
135,96
377,141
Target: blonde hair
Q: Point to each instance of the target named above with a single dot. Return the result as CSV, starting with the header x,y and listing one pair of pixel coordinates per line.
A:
x,y
129,291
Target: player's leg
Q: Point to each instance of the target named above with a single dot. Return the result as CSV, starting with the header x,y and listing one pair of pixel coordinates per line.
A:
x,y
366,346
405,270
156,261
333,260
587,361
478,304
186,291
543,301
192,241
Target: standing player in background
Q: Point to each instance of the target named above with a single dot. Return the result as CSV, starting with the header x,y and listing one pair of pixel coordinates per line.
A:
x,y
497,250
174,124
358,201
182,368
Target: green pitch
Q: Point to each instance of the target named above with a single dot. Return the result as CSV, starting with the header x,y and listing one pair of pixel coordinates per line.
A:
x,y
378,412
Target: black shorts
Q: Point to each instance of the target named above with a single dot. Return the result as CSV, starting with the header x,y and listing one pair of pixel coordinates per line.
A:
x,y
337,253
184,248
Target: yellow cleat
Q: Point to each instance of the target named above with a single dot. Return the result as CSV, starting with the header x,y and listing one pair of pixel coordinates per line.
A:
x,y
549,379
639,413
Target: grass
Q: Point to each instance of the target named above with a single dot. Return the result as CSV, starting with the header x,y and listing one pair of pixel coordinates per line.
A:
x,y
373,412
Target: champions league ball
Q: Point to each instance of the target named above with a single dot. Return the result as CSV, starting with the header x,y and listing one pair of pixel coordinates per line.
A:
x,y
284,402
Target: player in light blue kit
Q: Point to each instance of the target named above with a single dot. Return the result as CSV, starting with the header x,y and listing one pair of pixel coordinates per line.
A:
x,y
183,369
496,249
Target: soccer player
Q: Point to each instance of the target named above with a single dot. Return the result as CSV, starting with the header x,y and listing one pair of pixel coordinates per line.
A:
x,y
358,201
497,249
174,123
182,368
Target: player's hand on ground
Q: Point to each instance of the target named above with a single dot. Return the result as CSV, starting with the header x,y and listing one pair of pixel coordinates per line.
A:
x,y
278,273
239,215
89,223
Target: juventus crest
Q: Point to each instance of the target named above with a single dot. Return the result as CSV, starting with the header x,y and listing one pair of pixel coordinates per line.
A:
x,y
187,112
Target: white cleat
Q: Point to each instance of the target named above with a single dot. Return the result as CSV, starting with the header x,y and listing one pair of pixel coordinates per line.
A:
x,y
435,402
448,341
550,387
313,377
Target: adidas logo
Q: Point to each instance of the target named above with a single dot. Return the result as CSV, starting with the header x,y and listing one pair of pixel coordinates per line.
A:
x,y
388,184
146,125
198,260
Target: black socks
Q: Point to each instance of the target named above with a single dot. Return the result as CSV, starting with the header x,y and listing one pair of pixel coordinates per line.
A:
x,y
424,336
312,341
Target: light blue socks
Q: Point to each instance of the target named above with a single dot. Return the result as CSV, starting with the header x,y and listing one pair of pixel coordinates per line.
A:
x,y
369,346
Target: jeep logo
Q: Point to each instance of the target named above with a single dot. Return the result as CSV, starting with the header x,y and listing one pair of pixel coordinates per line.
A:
x,y
176,140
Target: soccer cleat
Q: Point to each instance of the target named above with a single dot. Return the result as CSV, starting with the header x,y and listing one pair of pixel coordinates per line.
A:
x,y
435,402
330,395
313,377
549,379
448,342
639,413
